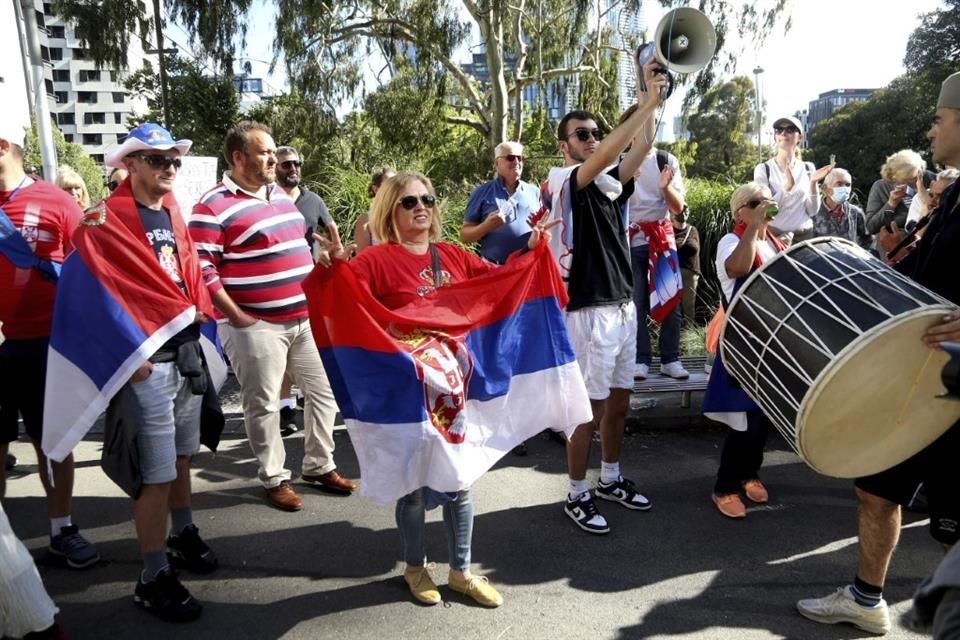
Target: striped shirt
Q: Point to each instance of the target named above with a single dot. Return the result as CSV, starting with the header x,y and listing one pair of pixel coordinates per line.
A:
x,y
252,246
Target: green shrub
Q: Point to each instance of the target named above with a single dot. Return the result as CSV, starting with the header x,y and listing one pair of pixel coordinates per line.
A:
x,y
709,203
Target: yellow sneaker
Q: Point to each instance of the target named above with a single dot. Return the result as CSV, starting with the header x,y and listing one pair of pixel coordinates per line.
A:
x,y
477,587
422,586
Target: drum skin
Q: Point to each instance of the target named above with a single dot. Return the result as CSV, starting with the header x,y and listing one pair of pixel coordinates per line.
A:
x,y
828,341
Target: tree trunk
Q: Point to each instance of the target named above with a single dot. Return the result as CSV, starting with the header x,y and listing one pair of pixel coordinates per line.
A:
x,y
491,28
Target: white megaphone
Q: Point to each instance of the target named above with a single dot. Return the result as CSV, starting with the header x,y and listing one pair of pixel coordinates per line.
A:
x,y
684,41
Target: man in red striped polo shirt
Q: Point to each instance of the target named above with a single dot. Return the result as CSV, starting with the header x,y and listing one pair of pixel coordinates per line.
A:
x,y
250,237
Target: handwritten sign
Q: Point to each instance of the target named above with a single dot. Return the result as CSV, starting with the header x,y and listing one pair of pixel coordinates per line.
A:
x,y
197,176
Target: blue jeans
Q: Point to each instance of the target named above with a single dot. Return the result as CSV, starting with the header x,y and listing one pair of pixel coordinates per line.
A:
x,y
457,518
669,328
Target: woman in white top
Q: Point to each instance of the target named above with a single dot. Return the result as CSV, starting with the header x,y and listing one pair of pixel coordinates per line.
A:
x,y
792,182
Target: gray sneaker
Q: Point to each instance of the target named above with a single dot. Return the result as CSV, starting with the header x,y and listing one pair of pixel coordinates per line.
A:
x,y
75,550
841,606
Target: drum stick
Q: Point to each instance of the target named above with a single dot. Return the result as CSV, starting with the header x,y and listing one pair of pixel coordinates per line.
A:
x,y
903,244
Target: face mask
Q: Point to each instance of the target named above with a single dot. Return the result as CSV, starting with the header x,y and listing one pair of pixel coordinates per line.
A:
x,y
840,194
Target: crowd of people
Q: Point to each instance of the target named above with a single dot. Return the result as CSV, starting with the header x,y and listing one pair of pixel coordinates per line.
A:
x,y
616,223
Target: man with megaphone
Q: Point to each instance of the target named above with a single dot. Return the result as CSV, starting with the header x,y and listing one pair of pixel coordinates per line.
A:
x,y
589,196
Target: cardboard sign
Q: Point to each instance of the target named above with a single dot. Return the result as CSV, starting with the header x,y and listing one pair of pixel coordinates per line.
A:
x,y
197,176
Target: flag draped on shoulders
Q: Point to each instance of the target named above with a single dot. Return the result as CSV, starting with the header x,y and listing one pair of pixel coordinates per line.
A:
x,y
664,280
115,307
434,393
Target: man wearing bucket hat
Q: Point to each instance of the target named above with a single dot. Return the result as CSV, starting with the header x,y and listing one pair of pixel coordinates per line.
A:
x,y
36,225
933,264
141,217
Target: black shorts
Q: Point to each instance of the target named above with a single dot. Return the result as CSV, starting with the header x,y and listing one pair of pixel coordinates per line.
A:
x,y
938,468
23,375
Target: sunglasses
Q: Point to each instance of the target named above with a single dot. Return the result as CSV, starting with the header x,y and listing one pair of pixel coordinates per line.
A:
x,y
512,158
584,134
410,202
113,186
789,130
164,162
753,204
289,164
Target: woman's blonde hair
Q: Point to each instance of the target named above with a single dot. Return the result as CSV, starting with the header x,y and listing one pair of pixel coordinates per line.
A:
x,y
67,179
903,166
744,193
382,222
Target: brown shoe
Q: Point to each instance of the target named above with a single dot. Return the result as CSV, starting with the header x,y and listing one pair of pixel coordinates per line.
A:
x,y
332,481
755,491
283,497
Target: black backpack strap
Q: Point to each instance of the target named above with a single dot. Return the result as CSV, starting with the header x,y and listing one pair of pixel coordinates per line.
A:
x,y
662,159
435,266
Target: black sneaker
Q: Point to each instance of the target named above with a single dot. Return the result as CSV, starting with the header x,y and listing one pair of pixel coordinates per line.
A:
x,y
188,551
166,598
585,515
73,548
520,449
288,423
623,491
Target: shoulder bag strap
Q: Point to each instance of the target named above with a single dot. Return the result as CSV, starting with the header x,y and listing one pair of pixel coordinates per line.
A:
x,y
435,266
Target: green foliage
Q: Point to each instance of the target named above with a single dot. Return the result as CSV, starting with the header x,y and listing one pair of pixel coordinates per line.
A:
x,y
302,124
202,107
70,154
936,42
721,125
709,203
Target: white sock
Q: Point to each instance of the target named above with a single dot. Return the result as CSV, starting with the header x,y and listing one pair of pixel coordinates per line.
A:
x,y
58,523
577,488
287,403
609,472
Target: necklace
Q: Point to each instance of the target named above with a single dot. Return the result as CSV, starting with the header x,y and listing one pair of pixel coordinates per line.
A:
x,y
14,192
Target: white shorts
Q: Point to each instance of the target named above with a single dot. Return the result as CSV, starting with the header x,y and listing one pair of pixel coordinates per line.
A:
x,y
605,341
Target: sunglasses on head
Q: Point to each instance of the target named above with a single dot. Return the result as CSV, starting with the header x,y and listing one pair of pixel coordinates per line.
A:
x,y
287,164
583,134
512,158
161,162
786,130
410,202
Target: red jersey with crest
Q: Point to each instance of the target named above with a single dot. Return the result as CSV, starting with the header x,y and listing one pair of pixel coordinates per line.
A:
x,y
397,277
46,216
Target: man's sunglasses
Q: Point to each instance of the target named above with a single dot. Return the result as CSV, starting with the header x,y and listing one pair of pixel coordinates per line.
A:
x,y
410,202
512,158
288,164
584,134
158,162
786,130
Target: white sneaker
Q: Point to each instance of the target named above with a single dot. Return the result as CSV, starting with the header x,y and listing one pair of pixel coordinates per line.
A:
x,y
674,370
641,371
841,606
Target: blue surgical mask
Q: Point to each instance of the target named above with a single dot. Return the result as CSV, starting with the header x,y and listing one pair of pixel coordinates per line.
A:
x,y
840,194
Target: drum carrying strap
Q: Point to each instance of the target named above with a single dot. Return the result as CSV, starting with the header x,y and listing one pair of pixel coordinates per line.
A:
x,y
435,266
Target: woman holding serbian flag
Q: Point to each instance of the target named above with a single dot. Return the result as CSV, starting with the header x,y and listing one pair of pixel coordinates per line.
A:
x,y
738,254
411,271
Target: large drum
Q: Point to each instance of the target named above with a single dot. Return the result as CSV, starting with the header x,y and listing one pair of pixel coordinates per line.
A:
x,y
828,341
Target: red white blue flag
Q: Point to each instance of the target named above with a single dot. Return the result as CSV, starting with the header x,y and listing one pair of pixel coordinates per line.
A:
x,y
434,394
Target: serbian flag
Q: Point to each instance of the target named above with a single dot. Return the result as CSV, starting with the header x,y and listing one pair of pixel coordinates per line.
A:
x,y
664,280
434,393
115,307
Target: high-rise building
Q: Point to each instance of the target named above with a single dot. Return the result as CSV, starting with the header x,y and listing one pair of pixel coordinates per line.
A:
x,y
828,102
626,26
89,105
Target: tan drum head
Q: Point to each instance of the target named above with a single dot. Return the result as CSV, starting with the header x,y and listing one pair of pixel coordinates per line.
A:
x,y
875,405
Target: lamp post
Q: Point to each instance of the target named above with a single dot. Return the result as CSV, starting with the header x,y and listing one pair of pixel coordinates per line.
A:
x,y
756,83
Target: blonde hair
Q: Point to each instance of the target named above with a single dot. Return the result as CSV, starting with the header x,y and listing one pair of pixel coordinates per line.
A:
x,y
903,166
382,222
67,179
744,193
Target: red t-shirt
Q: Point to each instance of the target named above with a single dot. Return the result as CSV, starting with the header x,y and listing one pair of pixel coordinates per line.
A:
x,y
46,216
397,277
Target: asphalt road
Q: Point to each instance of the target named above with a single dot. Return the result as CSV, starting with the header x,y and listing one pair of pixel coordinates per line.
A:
x,y
332,570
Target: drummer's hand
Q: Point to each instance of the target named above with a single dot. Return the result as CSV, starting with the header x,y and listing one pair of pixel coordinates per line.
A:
x,y
947,331
330,250
541,233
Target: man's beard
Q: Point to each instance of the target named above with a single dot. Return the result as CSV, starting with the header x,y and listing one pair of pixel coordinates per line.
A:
x,y
288,181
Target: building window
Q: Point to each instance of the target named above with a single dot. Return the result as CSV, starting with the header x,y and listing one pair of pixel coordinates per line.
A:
x,y
98,158
68,137
49,85
79,54
117,117
93,139
41,22
45,53
56,53
95,117
61,75
121,137
57,31
89,97
113,76
65,118
61,96
89,75
48,8
119,97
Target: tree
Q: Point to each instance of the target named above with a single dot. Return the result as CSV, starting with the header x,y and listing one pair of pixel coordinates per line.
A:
x,y
202,107
721,127
71,155
304,125
936,42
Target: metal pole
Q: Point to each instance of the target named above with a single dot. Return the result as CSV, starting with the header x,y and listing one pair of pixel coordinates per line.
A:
x,y
756,74
18,12
164,96
48,152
